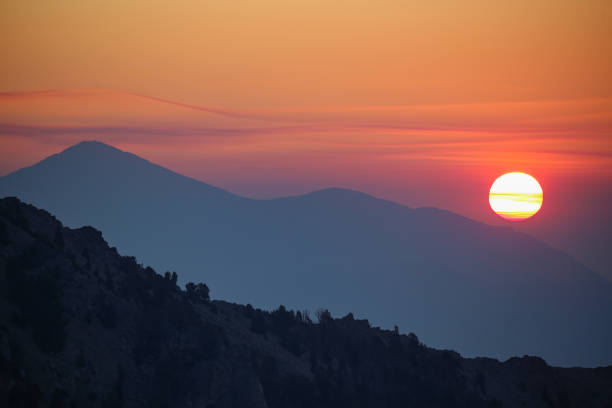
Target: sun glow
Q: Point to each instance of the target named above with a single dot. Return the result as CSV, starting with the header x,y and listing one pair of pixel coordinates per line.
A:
x,y
516,196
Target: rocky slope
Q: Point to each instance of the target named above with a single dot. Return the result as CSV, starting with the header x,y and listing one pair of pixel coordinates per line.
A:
x,y
82,326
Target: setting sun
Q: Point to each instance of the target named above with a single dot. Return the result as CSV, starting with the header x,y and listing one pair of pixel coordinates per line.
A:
x,y
515,196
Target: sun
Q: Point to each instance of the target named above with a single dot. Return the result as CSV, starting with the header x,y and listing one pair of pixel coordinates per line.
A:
x,y
516,196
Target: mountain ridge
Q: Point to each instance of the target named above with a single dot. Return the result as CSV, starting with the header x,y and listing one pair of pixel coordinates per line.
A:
x,y
93,146
459,283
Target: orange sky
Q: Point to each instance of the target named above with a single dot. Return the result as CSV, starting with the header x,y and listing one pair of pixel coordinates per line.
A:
x,y
425,103
308,52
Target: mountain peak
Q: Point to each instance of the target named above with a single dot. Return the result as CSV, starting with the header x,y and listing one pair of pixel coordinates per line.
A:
x,y
91,146
83,157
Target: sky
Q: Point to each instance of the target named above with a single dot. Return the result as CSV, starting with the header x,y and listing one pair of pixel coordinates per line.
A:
x,y
424,103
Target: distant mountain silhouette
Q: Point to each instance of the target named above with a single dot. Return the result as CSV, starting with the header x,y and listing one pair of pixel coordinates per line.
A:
x,y
457,283
81,326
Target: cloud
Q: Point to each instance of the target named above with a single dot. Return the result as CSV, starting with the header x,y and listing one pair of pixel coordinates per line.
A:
x,y
125,131
433,132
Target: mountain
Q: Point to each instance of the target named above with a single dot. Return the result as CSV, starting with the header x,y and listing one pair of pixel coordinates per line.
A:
x,y
81,325
457,283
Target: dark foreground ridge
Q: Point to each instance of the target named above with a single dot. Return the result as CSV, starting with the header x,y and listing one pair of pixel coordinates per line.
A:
x,y
82,326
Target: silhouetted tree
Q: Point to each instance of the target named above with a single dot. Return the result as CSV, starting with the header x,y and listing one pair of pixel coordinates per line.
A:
x,y
249,311
172,277
198,293
323,316
306,316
